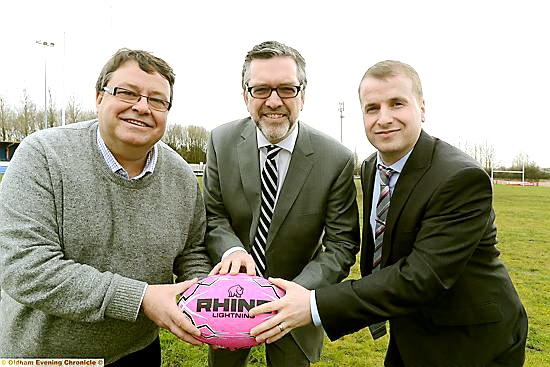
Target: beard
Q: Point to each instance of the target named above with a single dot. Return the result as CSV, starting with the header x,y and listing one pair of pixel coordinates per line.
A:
x,y
275,132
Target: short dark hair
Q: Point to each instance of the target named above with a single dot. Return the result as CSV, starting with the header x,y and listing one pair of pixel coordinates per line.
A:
x,y
269,49
146,61
390,68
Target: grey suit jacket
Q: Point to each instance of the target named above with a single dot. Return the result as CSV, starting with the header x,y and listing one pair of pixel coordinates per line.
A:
x,y
314,234
448,297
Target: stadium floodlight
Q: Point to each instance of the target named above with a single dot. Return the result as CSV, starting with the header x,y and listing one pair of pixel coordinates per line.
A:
x,y
45,44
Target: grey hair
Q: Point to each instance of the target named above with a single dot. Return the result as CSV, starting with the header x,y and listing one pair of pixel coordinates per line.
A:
x,y
269,49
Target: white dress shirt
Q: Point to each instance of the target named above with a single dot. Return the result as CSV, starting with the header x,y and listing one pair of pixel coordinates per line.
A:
x,y
282,160
397,167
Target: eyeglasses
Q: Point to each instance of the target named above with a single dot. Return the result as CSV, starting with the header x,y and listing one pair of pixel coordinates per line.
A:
x,y
133,97
283,91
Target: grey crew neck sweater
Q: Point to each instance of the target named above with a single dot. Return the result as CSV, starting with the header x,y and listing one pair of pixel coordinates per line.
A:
x,y
78,244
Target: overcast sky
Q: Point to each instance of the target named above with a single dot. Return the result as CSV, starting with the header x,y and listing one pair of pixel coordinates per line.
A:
x,y
484,64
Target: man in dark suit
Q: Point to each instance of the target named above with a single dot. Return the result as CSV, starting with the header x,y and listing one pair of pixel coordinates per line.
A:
x,y
312,237
439,282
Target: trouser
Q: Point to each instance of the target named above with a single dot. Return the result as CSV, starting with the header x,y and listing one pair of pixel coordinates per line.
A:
x,y
283,353
147,357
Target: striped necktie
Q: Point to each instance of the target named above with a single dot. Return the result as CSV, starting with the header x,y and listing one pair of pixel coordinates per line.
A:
x,y
378,330
269,194
381,213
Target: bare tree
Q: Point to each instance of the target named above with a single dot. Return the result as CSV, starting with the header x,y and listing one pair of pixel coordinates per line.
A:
x,y
483,153
5,119
189,141
520,161
487,156
75,113
16,124
27,120
197,139
52,111
174,137
72,112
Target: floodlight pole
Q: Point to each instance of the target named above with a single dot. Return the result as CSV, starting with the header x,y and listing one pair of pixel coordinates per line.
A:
x,y
49,44
341,109
63,103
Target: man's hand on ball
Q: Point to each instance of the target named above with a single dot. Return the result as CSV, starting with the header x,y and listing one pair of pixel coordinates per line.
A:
x,y
234,262
292,311
159,305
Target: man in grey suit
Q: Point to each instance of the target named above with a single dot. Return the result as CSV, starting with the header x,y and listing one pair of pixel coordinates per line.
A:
x,y
313,235
437,279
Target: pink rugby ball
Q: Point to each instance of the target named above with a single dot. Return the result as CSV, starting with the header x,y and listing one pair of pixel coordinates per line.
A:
x,y
218,306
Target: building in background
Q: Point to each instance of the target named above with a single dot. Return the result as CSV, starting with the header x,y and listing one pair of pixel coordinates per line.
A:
x,y
7,148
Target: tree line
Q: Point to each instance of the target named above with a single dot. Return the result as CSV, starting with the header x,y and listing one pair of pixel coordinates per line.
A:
x,y
191,141
485,155
26,118
20,121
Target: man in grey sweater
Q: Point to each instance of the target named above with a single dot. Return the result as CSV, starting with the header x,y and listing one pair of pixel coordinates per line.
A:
x,y
96,219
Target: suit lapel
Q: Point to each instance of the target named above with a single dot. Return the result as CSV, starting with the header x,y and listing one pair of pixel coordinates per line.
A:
x,y
367,185
416,166
249,163
301,164
368,190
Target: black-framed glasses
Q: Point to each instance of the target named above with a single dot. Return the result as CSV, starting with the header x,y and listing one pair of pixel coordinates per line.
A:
x,y
283,91
130,96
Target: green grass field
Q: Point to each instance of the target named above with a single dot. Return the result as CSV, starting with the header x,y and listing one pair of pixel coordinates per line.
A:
x,y
524,234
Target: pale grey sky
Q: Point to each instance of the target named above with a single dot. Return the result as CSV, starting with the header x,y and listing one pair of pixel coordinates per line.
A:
x,y
483,64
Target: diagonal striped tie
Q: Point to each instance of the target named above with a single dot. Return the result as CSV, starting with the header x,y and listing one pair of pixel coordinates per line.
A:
x,y
381,213
378,330
269,194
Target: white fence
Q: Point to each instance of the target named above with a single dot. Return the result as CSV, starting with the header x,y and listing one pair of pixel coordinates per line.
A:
x,y
198,168
3,166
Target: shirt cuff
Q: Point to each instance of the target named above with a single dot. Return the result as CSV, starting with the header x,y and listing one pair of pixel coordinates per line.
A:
x,y
313,308
142,296
232,250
